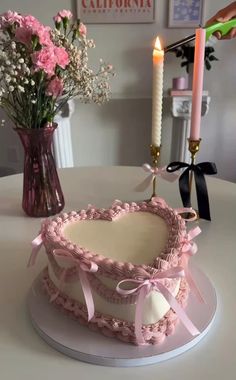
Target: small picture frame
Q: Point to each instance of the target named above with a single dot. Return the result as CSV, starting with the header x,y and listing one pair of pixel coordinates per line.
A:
x,y
185,13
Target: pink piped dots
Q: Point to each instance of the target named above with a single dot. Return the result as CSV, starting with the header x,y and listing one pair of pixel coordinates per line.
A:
x,y
56,238
158,338
126,206
72,213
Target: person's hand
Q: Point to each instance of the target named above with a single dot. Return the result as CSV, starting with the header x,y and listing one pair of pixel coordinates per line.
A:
x,y
224,15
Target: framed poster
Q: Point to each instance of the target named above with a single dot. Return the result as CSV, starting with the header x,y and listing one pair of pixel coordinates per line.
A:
x,y
116,11
185,13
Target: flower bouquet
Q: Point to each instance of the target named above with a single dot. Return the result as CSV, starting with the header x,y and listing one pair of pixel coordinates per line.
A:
x,y
40,70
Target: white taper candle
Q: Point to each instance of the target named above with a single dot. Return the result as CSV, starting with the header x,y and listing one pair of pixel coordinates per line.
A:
x,y
157,93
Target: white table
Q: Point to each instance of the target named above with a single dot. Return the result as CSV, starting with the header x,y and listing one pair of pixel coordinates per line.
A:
x,y
25,356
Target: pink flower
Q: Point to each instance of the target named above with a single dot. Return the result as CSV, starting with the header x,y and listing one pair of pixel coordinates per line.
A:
x,y
45,60
32,27
82,29
61,56
48,57
9,18
55,87
57,18
43,33
65,14
23,35
31,22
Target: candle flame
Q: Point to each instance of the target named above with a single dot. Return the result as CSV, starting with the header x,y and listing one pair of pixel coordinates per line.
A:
x,y
158,44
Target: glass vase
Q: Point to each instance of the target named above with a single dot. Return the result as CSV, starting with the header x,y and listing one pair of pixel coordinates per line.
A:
x,y
42,194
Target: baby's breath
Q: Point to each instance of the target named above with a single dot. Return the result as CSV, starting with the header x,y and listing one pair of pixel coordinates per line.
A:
x,y
23,89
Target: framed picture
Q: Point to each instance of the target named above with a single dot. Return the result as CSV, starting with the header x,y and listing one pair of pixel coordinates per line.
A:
x,y
116,11
185,13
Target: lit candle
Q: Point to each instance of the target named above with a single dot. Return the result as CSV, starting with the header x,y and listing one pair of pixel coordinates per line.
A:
x,y
198,72
157,93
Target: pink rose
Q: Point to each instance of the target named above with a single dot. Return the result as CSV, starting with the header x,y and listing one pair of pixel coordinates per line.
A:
x,y
45,60
82,29
55,87
65,14
61,56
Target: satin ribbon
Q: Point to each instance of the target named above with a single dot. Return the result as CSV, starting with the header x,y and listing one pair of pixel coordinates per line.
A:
x,y
36,246
199,171
144,288
153,173
180,211
187,210
82,267
189,249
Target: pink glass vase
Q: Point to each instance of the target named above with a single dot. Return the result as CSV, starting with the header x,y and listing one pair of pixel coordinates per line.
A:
x,y
42,194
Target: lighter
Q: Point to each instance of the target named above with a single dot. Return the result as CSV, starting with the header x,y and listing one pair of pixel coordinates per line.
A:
x,y
221,27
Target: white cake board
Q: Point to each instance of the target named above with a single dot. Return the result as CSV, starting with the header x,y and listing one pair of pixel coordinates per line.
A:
x,y
72,339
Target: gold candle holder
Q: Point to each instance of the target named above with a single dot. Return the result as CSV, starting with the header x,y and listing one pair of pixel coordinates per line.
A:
x,y
155,153
193,147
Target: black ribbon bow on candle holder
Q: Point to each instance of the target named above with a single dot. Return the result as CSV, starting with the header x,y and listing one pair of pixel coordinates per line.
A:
x,y
199,171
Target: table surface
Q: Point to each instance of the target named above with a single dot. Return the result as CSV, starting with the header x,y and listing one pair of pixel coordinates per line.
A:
x,y
24,355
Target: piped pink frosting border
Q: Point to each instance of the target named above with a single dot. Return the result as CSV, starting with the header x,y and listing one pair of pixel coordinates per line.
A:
x,y
53,238
114,327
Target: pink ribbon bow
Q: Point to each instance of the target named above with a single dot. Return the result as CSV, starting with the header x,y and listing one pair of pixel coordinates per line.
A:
x,y
187,210
189,249
36,246
148,285
82,267
153,173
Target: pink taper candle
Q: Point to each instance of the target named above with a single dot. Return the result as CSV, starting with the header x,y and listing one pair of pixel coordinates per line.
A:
x,y
198,72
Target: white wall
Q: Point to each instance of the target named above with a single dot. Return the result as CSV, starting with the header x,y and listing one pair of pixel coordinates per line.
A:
x,y
119,132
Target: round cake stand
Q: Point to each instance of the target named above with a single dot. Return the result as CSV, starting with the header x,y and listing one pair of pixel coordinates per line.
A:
x,y
72,339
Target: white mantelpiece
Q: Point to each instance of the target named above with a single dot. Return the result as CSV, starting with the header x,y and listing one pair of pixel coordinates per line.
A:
x,y
62,143
181,104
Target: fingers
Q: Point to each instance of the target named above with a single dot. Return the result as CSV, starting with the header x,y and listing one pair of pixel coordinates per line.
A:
x,y
211,21
218,35
224,14
228,36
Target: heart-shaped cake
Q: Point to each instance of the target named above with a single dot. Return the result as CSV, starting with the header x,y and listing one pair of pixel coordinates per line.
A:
x,y
119,270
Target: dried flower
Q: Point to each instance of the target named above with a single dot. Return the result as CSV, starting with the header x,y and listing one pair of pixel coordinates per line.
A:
x,y
42,68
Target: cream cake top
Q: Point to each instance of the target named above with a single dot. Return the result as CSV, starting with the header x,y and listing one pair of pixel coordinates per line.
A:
x,y
121,240
137,238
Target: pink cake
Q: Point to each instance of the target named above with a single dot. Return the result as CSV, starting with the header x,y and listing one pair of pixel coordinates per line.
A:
x,y
122,271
